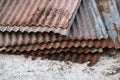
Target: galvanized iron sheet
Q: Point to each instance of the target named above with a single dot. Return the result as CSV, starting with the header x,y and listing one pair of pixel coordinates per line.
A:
x,y
97,19
37,15
88,23
110,15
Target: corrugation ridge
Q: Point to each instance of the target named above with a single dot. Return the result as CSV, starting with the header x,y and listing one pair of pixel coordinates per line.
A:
x,y
4,16
16,13
21,13
1,4
33,9
64,14
31,38
26,13
34,29
83,17
11,12
50,20
4,10
56,21
41,12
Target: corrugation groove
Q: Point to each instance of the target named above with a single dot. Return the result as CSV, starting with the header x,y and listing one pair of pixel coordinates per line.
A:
x,y
32,26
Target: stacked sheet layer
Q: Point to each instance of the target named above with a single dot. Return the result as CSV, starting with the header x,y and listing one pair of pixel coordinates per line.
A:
x,y
65,31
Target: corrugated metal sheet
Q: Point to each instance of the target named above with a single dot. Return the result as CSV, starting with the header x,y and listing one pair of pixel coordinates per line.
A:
x,y
38,15
101,19
52,50
110,15
51,40
91,22
88,23
96,26
63,44
12,38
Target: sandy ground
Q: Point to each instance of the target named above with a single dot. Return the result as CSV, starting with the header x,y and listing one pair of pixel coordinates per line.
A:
x,y
15,67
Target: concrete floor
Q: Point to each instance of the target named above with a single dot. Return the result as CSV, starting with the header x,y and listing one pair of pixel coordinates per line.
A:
x,y
16,67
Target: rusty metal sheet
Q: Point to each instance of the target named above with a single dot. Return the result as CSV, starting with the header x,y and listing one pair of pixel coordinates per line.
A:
x,y
12,39
50,40
29,48
97,19
38,15
63,44
109,11
19,38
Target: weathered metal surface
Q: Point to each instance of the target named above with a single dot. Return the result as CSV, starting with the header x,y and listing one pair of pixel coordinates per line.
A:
x,y
88,23
29,48
37,15
110,15
44,13
50,40
19,38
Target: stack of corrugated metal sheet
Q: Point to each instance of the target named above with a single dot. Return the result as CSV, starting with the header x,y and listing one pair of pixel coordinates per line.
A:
x,y
60,29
